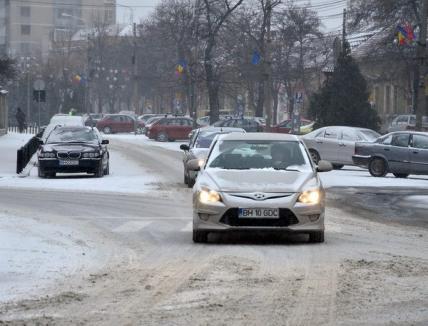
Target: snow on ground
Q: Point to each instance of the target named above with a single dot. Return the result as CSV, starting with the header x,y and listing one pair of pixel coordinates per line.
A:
x,y
351,176
138,139
34,254
9,144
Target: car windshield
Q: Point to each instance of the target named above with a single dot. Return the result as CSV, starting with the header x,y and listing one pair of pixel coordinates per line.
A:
x,y
205,139
369,135
152,120
259,154
72,136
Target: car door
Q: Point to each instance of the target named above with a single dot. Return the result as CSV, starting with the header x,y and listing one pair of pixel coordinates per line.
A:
x,y
116,123
419,154
346,146
128,124
327,144
398,154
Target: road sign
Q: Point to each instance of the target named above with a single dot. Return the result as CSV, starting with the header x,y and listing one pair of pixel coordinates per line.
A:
x,y
39,85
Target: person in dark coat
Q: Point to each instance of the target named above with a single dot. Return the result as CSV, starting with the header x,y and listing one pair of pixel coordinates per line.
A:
x,y
20,118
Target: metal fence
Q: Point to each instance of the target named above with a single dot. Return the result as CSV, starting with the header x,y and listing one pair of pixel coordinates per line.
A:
x,y
28,130
25,153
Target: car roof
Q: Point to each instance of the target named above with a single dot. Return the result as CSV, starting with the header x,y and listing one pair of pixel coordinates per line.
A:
x,y
73,128
408,132
221,129
259,136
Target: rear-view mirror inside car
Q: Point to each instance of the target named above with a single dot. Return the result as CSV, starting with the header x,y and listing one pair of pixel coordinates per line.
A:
x,y
193,165
324,166
184,147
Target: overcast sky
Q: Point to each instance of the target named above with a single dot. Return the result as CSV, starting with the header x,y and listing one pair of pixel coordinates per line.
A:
x,y
329,10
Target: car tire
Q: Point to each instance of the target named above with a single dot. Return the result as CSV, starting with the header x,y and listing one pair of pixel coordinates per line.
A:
x,y
316,237
200,236
107,130
314,156
401,175
162,137
338,166
107,169
41,173
190,182
378,167
100,171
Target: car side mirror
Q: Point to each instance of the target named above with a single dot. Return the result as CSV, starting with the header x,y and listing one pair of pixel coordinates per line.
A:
x,y
105,142
194,165
184,147
324,166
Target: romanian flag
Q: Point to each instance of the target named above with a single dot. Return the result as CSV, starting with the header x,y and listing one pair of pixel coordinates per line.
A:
x,y
405,34
181,66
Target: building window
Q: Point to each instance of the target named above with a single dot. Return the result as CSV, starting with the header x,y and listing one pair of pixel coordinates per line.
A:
x,y
25,11
25,29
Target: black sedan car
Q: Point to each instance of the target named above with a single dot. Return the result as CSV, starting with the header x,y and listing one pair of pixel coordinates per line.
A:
x,y
400,153
73,150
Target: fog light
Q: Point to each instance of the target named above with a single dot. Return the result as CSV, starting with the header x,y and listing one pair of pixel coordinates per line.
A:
x,y
204,217
314,218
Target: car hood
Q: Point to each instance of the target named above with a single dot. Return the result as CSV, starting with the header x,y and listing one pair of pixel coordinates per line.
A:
x,y
263,180
87,147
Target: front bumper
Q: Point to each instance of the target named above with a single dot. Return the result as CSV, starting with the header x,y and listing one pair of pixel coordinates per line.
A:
x,y
361,160
88,165
223,216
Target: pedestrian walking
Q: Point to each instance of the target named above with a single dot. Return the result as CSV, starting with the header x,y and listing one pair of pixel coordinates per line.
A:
x,y
20,118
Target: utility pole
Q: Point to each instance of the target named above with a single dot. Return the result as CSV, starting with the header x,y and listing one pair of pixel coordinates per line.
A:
x,y
135,97
268,65
421,64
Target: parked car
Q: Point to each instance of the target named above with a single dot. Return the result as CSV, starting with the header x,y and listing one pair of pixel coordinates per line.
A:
x,y
400,153
73,150
285,127
149,123
113,123
145,117
248,124
336,144
198,148
258,182
170,128
92,119
407,122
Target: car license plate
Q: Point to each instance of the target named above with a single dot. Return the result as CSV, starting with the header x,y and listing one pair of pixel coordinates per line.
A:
x,y
69,163
258,213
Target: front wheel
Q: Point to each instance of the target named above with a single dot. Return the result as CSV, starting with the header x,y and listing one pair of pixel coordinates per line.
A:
x,y
100,171
107,169
162,137
400,175
316,237
107,130
200,236
377,167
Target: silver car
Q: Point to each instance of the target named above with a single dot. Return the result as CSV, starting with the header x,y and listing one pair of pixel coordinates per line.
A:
x,y
198,148
336,144
258,181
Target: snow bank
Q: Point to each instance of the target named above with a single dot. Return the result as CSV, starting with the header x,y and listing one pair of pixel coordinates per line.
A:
x,y
9,144
351,176
141,139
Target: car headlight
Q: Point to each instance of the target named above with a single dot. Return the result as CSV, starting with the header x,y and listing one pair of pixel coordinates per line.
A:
x,y
312,197
207,196
47,155
91,155
201,162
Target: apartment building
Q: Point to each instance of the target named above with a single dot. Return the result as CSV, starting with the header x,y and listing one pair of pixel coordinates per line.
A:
x,y
28,27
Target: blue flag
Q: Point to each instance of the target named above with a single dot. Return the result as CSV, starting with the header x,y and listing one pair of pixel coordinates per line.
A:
x,y
255,60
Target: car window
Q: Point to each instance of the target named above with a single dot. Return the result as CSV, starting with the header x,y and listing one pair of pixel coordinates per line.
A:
x,y
285,124
386,140
367,134
412,120
400,140
331,133
420,141
402,119
350,135
186,122
115,118
64,135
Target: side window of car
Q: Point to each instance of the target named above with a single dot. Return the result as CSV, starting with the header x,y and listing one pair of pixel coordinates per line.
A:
x,y
403,119
420,141
386,140
330,133
400,140
349,135
319,134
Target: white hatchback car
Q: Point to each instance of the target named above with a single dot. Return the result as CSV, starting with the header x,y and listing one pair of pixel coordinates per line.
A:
x,y
258,181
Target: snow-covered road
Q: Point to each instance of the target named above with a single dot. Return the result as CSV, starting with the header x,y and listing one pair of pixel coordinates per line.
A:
x,y
142,267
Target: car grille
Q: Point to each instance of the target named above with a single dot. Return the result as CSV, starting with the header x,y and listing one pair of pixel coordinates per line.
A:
x,y
286,218
68,155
